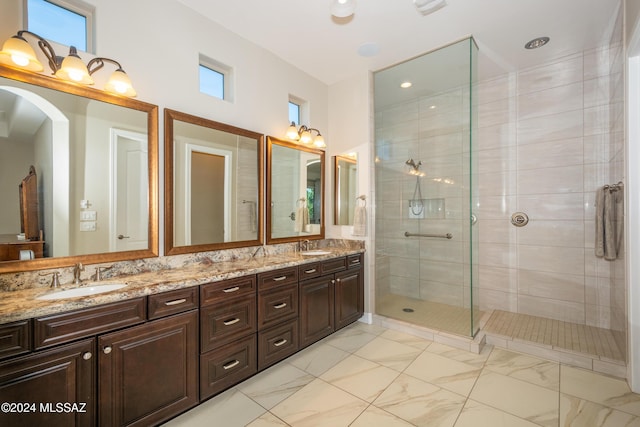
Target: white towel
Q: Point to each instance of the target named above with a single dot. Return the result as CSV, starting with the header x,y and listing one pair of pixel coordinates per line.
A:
x,y
302,218
360,221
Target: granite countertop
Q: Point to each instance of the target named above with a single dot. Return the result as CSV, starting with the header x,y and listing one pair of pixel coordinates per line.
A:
x,y
22,304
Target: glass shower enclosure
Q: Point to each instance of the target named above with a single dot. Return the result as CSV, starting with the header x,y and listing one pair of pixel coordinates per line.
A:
x,y
426,240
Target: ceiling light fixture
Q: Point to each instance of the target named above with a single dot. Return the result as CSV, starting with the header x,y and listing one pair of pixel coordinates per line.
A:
x,y
537,42
426,7
18,53
343,8
304,135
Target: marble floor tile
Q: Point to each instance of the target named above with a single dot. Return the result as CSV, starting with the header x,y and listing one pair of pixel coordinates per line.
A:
x,y
449,374
360,377
236,409
374,416
320,404
522,399
318,358
275,384
389,353
420,403
267,420
575,412
350,339
526,368
406,339
476,414
607,391
477,360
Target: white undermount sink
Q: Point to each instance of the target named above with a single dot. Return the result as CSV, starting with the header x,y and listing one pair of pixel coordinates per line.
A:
x,y
315,253
82,291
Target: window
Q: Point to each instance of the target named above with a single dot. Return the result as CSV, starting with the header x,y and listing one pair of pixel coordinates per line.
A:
x,y
294,113
66,22
215,78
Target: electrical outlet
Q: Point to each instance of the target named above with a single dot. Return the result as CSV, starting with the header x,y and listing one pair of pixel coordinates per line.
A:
x,y
88,215
88,226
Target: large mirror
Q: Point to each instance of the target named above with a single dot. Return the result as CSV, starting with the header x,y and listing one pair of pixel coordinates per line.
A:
x,y
345,188
213,183
83,165
295,192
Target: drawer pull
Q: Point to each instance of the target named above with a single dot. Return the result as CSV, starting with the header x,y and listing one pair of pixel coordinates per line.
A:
x,y
231,322
279,279
234,289
176,302
279,306
231,364
355,261
280,343
313,270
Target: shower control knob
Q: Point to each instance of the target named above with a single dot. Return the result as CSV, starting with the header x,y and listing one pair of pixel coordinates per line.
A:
x,y
519,219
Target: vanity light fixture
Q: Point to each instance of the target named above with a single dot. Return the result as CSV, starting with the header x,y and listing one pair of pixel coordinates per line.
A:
x,y
343,8
18,53
304,135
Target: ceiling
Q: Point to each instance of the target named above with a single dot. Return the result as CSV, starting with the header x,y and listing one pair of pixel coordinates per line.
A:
x,y
304,33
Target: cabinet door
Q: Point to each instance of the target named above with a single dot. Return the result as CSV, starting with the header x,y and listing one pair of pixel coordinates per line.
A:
x,y
316,309
51,382
349,297
148,373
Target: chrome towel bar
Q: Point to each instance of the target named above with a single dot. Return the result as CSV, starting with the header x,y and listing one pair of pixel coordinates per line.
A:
x,y
440,236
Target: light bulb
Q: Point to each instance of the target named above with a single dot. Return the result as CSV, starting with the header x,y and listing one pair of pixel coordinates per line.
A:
x,y
20,60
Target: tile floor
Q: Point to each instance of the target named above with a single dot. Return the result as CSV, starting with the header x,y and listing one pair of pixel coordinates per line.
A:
x,y
366,375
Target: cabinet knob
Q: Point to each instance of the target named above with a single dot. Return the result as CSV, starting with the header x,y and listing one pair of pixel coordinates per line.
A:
x,y
333,281
107,349
87,355
338,280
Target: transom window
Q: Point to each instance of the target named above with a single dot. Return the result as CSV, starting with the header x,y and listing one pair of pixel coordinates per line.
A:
x,y
66,22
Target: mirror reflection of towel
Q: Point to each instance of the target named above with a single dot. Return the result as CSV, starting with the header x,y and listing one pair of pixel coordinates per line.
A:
x,y
302,219
360,221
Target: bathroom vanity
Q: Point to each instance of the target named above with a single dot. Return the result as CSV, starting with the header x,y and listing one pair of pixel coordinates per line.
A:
x,y
170,339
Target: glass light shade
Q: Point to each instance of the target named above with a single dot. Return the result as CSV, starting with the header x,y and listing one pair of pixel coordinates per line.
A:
x,y
305,137
17,52
292,132
318,141
120,84
74,70
343,8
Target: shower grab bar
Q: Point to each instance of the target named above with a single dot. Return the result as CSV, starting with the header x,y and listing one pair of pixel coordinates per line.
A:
x,y
440,236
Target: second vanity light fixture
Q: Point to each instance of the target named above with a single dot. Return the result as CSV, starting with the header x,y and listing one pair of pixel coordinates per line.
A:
x,y
18,53
304,135
343,8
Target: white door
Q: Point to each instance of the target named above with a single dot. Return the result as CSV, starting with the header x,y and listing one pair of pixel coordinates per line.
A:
x,y
129,191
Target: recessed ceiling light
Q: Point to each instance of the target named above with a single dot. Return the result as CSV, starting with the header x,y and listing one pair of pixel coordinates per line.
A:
x,y
536,43
405,85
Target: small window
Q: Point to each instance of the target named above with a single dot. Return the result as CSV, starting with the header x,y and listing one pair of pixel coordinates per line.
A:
x,y
215,78
294,113
62,21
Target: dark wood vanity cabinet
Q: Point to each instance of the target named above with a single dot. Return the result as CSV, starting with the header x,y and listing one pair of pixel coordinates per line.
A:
x,y
316,309
349,293
43,381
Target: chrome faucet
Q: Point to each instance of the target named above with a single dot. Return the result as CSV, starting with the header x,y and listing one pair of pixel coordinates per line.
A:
x,y
77,269
99,271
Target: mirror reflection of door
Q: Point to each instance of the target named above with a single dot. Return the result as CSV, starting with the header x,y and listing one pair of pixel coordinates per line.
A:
x,y
207,210
130,202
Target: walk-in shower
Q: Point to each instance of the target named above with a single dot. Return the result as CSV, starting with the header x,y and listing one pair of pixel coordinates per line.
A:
x,y
425,240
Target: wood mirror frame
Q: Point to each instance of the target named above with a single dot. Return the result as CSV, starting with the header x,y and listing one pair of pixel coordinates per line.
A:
x,y
170,117
151,112
271,142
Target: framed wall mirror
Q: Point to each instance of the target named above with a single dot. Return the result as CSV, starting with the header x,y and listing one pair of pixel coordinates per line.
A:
x,y
94,160
295,192
213,185
345,188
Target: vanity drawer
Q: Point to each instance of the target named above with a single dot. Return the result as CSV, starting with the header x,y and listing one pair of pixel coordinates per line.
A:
x,y
276,305
280,277
227,366
15,338
354,261
213,292
309,271
69,326
334,265
172,302
225,322
277,343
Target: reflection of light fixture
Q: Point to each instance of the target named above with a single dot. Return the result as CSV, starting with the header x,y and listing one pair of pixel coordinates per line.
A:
x,y
304,135
343,8
17,53
406,85
413,168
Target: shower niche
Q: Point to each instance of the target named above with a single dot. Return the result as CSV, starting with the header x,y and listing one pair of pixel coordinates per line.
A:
x,y
426,187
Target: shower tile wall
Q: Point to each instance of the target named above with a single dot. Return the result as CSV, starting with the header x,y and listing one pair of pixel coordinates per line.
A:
x,y
549,136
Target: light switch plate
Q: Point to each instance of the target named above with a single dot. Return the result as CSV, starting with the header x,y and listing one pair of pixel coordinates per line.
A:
x,y
88,215
88,226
